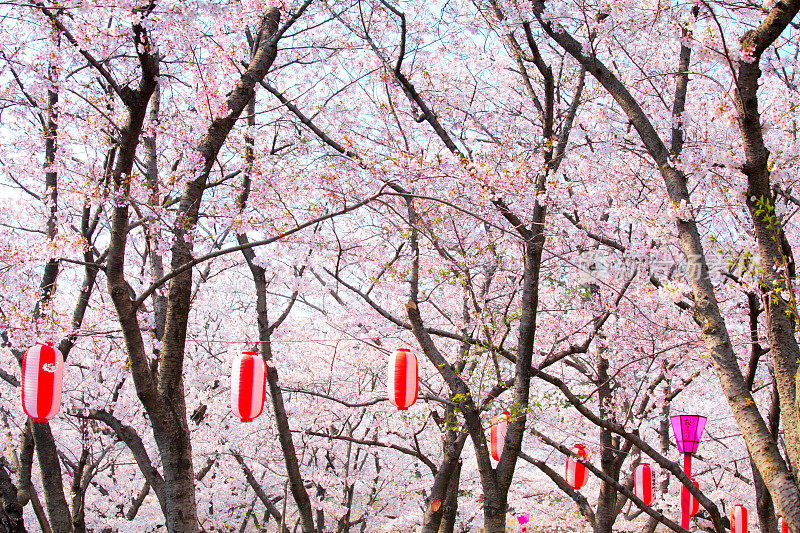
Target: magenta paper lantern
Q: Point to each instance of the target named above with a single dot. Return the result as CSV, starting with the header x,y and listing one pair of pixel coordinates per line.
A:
x,y
42,382
523,519
688,431
739,519
643,483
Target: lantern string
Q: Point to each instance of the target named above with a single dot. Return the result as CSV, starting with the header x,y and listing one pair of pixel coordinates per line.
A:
x,y
112,335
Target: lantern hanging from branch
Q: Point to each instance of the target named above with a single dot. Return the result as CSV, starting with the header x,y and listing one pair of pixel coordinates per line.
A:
x,y
576,471
499,429
403,379
739,519
42,382
783,527
643,483
248,385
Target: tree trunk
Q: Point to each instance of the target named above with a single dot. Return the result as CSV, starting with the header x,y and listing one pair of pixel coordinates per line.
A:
x,y
175,447
451,503
296,485
12,518
773,248
606,513
79,493
442,482
57,509
495,505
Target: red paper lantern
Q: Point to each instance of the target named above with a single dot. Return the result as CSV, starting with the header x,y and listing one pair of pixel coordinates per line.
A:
x,y
499,429
576,472
42,381
739,519
783,527
643,483
694,505
403,383
248,386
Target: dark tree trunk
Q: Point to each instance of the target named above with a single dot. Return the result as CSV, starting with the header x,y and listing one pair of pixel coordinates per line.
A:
x,y
79,493
57,509
443,481
12,519
606,513
451,503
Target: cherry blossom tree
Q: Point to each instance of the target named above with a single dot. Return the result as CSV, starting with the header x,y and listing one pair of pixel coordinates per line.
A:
x,y
481,181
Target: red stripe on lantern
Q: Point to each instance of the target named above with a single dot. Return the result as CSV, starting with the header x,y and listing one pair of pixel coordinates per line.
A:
x,y
42,382
498,433
739,519
643,483
248,386
402,382
576,472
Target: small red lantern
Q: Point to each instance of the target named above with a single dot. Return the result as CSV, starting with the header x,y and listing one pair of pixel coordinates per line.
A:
x,y
783,527
248,385
42,382
576,472
739,519
499,429
694,505
643,483
403,379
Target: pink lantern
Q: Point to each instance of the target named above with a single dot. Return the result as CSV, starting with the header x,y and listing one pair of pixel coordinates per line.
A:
x,y
248,386
576,472
523,519
499,429
783,527
643,483
739,519
688,430
403,379
42,381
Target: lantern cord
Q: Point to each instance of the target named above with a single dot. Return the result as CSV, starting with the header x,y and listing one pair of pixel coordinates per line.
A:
x,y
113,335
